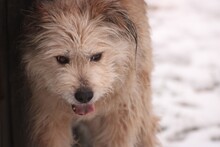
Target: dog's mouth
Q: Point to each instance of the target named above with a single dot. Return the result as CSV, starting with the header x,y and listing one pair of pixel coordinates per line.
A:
x,y
83,109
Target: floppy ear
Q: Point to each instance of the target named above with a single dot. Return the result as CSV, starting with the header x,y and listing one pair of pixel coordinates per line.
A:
x,y
120,18
115,14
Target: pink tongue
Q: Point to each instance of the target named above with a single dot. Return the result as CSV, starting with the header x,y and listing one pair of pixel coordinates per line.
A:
x,y
83,109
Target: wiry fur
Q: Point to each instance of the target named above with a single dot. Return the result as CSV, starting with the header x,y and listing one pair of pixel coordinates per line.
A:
x,y
120,80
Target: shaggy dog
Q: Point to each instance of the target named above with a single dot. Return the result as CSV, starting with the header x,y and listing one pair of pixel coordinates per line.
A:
x,y
89,62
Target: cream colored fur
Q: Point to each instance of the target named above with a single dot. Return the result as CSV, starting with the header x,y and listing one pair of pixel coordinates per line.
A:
x,y
121,83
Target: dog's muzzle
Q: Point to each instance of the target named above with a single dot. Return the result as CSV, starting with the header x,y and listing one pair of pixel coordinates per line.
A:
x,y
83,95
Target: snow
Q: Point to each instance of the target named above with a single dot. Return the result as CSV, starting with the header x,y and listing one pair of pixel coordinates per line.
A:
x,y
186,78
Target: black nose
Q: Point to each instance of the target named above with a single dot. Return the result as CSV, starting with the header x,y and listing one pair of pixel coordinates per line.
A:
x,y
84,95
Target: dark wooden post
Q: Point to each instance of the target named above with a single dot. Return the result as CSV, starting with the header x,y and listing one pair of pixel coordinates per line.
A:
x,y
4,109
11,102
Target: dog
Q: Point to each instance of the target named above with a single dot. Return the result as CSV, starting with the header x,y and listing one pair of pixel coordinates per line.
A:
x,y
89,62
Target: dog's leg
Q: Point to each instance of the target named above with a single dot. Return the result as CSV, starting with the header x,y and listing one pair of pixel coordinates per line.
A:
x,y
121,129
115,130
147,137
54,134
50,122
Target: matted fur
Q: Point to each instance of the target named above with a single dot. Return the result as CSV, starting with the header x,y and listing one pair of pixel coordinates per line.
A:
x,y
78,29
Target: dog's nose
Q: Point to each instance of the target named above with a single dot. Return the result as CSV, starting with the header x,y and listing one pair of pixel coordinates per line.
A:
x,y
84,95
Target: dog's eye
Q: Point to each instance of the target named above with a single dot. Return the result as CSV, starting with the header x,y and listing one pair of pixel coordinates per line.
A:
x,y
62,59
96,57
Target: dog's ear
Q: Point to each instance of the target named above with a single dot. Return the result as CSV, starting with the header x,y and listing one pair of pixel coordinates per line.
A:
x,y
115,14
120,18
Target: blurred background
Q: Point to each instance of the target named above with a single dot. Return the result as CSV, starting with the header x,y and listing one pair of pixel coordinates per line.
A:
x,y
186,78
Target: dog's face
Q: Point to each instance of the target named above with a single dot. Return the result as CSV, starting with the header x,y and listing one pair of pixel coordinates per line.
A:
x,y
81,50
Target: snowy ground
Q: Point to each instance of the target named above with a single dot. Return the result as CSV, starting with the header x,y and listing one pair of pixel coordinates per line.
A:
x,y
186,79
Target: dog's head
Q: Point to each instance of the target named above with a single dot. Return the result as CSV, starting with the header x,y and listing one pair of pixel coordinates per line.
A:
x,y
79,50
